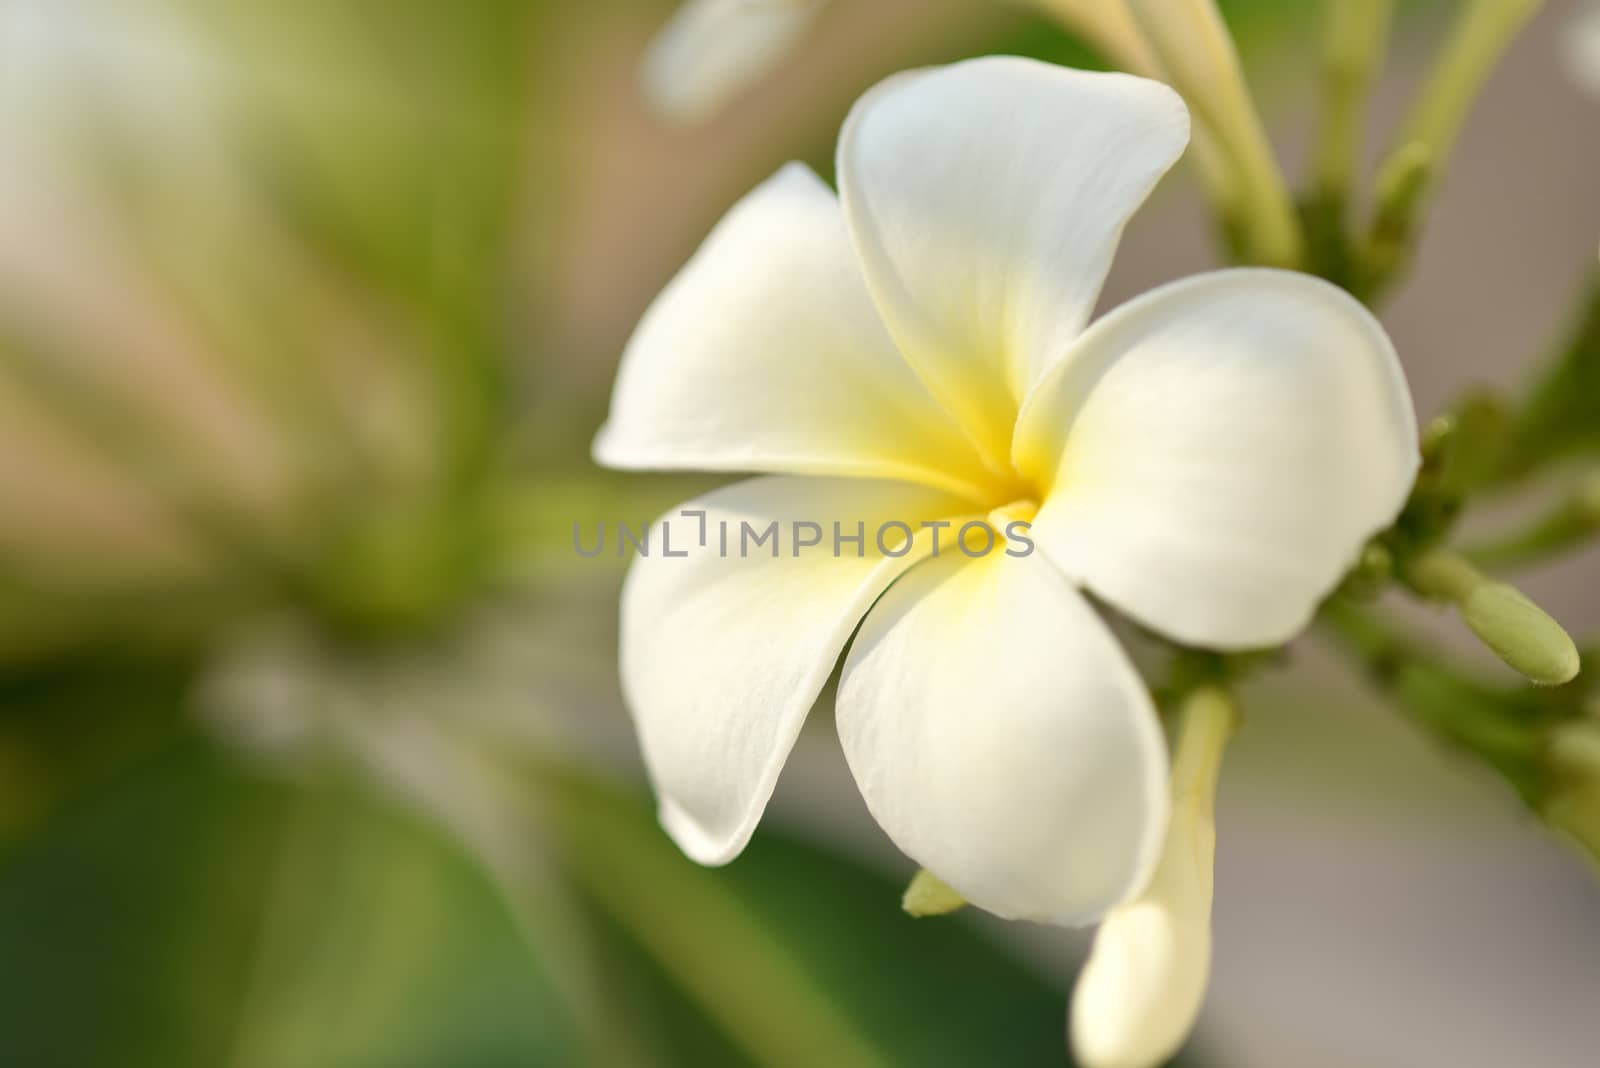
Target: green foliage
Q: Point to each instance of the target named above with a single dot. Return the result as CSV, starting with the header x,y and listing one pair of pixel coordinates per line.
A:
x,y
190,914
198,914
907,991
1560,417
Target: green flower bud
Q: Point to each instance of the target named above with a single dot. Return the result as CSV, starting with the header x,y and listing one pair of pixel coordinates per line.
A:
x,y
1518,631
1521,633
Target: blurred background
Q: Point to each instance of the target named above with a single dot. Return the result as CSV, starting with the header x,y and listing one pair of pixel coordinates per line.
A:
x,y
311,747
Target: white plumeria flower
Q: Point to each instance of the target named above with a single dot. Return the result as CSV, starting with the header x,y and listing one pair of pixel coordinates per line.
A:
x,y
1583,48
713,50
1209,459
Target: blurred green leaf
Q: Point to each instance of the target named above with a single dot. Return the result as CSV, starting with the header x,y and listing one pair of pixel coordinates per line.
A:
x,y
1560,415
915,992
192,914
68,724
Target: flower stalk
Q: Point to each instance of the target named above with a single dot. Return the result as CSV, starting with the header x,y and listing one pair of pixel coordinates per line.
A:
x,y
1109,27
1565,526
1559,417
1572,804
1357,34
1200,60
1410,174
1544,742
1483,32
1495,725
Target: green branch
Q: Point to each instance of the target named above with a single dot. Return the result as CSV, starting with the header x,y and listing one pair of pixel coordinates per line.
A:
x,y
1410,176
1500,727
1568,524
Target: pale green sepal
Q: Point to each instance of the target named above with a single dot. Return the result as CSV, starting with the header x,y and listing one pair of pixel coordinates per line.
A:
x,y
929,896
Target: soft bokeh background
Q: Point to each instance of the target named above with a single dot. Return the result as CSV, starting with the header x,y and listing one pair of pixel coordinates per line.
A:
x,y
311,751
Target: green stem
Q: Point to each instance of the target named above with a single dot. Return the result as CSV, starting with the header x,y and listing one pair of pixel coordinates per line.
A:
x,y
1571,523
1444,576
1492,725
1357,39
1195,48
1410,175
1482,33
1560,414
1109,27
1207,719
1572,804
1357,33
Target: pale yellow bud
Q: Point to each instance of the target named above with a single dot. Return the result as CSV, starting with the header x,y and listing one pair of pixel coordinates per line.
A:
x,y
1140,993
929,896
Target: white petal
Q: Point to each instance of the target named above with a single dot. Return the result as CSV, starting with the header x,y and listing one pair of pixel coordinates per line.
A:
x,y
986,200
723,655
765,354
1582,47
1003,740
1217,452
712,50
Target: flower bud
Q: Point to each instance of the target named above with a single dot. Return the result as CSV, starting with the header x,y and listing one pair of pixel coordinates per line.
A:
x,y
1140,992
1517,630
1521,633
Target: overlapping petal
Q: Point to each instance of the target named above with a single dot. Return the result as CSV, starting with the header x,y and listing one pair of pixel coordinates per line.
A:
x,y
725,650
985,200
1004,741
1217,451
765,354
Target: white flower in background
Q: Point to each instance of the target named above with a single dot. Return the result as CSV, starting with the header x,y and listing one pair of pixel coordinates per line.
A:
x,y
1209,459
1583,47
713,50
137,64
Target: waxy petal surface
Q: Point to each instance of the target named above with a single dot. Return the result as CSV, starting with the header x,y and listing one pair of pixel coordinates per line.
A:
x,y
1218,451
723,655
1002,738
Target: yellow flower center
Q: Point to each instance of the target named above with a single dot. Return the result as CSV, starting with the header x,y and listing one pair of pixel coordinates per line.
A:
x,y
1018,511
